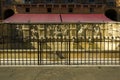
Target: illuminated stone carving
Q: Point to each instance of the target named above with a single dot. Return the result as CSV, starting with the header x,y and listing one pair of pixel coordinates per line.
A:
x,y
117,2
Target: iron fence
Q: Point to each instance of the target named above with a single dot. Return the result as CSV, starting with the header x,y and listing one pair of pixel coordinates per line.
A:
x,y
60,44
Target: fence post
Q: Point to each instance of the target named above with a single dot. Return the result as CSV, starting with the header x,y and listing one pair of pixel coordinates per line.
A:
x,y
39,52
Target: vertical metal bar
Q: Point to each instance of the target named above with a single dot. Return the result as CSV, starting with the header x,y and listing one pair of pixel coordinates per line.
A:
x,y
46,47
6,48
97,40
3,47
82,53
3,60
88,53
28,42
50,46
31,42
56,51
29,48
115,50
104,51
104,47
107,43
0,44
35,44
22,36
85,43
34,51
102,37
112,45
72,50
65,48
77,37
39,51
61,40
1,52
10,43
119,49
93,43
16,41
69,47
45,44
100,52
108,51
53,43
50,49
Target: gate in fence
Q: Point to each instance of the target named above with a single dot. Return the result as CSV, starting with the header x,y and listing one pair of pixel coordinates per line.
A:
x,y
60,44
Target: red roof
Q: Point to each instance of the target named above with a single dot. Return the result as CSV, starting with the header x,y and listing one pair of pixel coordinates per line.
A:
x,y
33,18
57,18
73,18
